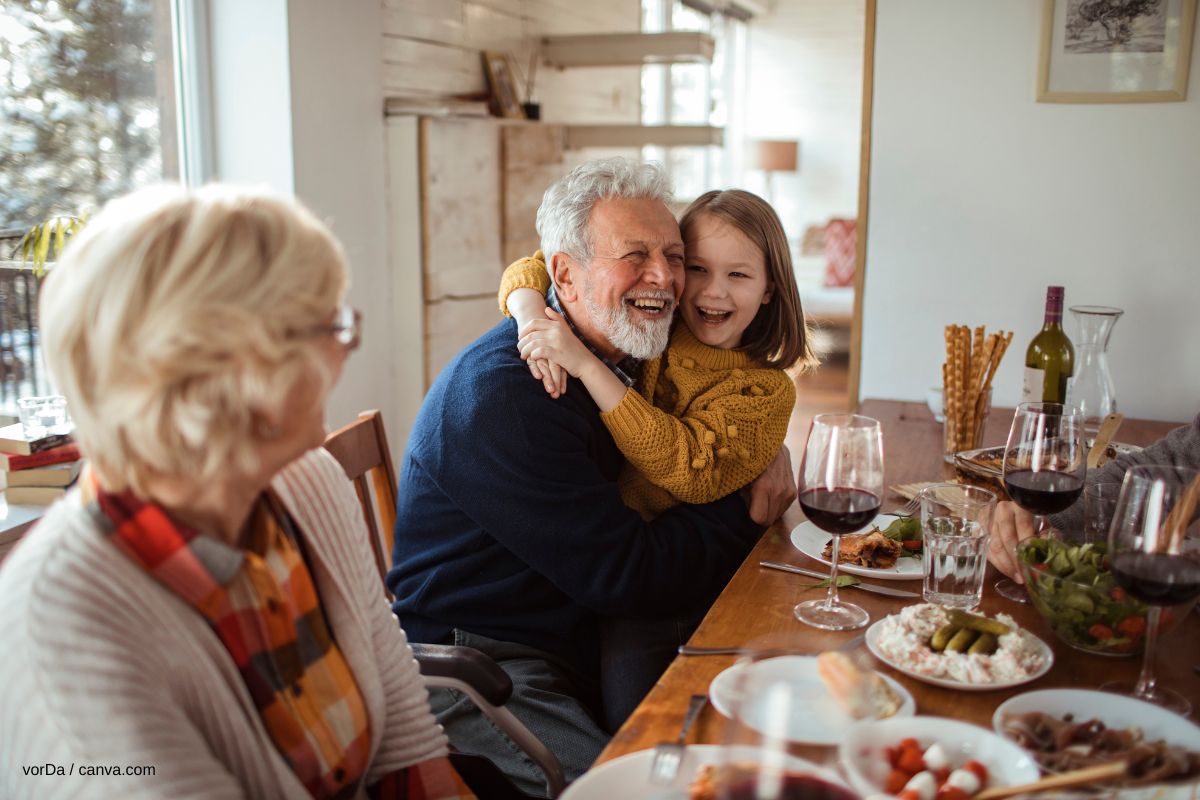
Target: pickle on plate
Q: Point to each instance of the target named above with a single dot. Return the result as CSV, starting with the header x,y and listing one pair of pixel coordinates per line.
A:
x,y
985,645
961,640
978,623
942,636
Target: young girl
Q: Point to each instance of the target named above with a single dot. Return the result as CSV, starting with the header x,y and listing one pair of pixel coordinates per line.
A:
x,y
712,412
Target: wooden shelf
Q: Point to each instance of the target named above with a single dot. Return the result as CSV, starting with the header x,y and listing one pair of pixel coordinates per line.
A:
x,y
627,49
580,136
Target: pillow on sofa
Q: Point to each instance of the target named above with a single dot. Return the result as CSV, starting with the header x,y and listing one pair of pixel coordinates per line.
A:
x,y
841,252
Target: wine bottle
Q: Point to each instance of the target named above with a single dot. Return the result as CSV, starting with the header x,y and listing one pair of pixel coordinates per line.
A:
x,y
1050,358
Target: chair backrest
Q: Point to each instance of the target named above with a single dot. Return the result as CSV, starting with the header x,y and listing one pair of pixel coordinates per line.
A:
x,y
362,449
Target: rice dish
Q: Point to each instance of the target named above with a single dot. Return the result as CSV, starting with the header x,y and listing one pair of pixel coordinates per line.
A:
x,y
904,639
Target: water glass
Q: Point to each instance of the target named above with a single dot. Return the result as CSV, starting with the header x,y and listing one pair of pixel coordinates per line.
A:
x,y
954,551
43,416
1099,503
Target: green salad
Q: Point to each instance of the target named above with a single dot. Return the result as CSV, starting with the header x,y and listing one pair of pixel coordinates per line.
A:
x,y
906,531
1074,588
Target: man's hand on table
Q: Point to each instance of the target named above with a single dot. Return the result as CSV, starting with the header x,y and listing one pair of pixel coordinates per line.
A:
x,y
1010,525
774,490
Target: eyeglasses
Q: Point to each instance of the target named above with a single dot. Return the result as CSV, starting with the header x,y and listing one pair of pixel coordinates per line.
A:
x,y
346,328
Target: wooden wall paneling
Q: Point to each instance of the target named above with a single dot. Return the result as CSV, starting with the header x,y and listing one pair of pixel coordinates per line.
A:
x,y
408,295
533,159
413,67
430,20
461,207
454,324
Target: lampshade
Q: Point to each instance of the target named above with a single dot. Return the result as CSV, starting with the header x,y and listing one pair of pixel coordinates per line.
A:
x,y
775,155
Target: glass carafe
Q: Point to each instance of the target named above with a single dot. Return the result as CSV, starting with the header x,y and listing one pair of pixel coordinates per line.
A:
x,y
1092,389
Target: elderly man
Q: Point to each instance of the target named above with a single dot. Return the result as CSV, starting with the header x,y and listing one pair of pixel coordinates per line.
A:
x,y
511,536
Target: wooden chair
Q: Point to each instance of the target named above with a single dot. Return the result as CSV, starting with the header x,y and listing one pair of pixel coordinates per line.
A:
x,y
362,449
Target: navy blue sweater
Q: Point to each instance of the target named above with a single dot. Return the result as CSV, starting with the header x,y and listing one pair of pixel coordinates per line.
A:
x,y
510,525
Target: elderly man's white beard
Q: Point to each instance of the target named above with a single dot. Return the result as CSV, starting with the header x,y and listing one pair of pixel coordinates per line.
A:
x,y
641,339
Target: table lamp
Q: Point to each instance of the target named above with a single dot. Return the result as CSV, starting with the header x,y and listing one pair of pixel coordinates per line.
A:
x,y
774,155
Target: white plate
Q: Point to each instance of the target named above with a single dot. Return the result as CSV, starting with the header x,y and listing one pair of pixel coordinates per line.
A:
x,y
821,721
810,540
874,632
862,751
1115,711
627,777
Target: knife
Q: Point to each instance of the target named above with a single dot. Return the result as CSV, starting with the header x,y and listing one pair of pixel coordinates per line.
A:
x,y
869,587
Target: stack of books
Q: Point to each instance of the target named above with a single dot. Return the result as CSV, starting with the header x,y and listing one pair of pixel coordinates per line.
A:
x,y
37,471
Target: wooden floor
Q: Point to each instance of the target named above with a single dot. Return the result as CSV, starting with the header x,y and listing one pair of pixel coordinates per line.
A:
x,y
818,392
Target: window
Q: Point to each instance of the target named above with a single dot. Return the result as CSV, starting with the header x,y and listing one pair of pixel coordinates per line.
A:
x,y
87,113
697,94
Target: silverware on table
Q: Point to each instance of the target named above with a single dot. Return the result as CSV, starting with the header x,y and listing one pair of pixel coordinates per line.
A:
x,y
867,587
693,650
669,755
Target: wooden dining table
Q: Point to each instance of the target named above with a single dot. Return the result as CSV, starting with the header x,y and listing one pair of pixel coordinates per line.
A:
x,y
758,603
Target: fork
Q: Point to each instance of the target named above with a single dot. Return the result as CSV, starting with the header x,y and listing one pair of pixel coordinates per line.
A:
x,y
908,508
669,755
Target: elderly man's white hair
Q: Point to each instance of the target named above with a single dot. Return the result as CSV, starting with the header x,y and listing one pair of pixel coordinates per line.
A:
x,y
562,218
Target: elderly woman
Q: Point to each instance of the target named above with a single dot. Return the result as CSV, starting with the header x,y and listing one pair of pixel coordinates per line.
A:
x,y
200,617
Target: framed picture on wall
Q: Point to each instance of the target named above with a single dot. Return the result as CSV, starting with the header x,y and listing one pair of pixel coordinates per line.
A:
x,y
502,85
1115,51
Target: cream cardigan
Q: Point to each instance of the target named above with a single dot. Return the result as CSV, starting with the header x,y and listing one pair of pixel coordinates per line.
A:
x,y
102,667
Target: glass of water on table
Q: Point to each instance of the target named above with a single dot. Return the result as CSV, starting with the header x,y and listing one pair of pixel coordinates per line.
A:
x,y
954,521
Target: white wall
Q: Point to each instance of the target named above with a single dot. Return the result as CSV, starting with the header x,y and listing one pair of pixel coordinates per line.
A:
x,y
805,83
298,105
980,197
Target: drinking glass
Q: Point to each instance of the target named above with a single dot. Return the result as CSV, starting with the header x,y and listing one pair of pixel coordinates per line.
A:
x,y
955,546
774,707
1099,503
1045,462
841,485
1156,558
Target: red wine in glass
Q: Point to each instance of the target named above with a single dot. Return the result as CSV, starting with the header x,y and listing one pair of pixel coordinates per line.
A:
x,y
1160,579
1153,556
841,484
1043,493
839,510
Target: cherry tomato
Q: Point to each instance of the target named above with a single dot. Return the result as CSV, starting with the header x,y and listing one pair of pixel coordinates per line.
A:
x,y
978,769
911,544
1100,631
896,780
1132,626
1118,594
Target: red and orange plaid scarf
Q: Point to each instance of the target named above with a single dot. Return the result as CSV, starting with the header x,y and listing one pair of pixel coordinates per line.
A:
x,y
262,604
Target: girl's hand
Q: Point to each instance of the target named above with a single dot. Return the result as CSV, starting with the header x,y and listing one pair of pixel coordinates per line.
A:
x,y
552,376
550,340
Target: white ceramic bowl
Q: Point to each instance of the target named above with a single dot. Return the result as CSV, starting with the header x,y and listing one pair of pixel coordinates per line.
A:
x,y
862,750
1115,711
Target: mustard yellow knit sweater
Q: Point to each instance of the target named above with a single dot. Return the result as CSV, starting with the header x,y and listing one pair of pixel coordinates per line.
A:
x,y
704,423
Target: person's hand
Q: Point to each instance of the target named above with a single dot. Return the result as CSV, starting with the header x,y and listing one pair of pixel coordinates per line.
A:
x,y
774,490
551,341
552,376
1010,525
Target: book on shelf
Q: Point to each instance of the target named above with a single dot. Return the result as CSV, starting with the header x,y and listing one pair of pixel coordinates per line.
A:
x,y
53,475
33,495
13,440
12,462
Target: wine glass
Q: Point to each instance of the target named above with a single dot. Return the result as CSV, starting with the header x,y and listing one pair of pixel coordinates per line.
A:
x,y
1156,558
775,741
841,486
1045,462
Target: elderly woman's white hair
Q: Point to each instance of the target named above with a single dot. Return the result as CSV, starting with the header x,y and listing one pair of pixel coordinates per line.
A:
x,y
174,326
566,208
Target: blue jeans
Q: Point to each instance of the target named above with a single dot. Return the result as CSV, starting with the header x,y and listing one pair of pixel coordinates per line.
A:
x,y
634,653
546,697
